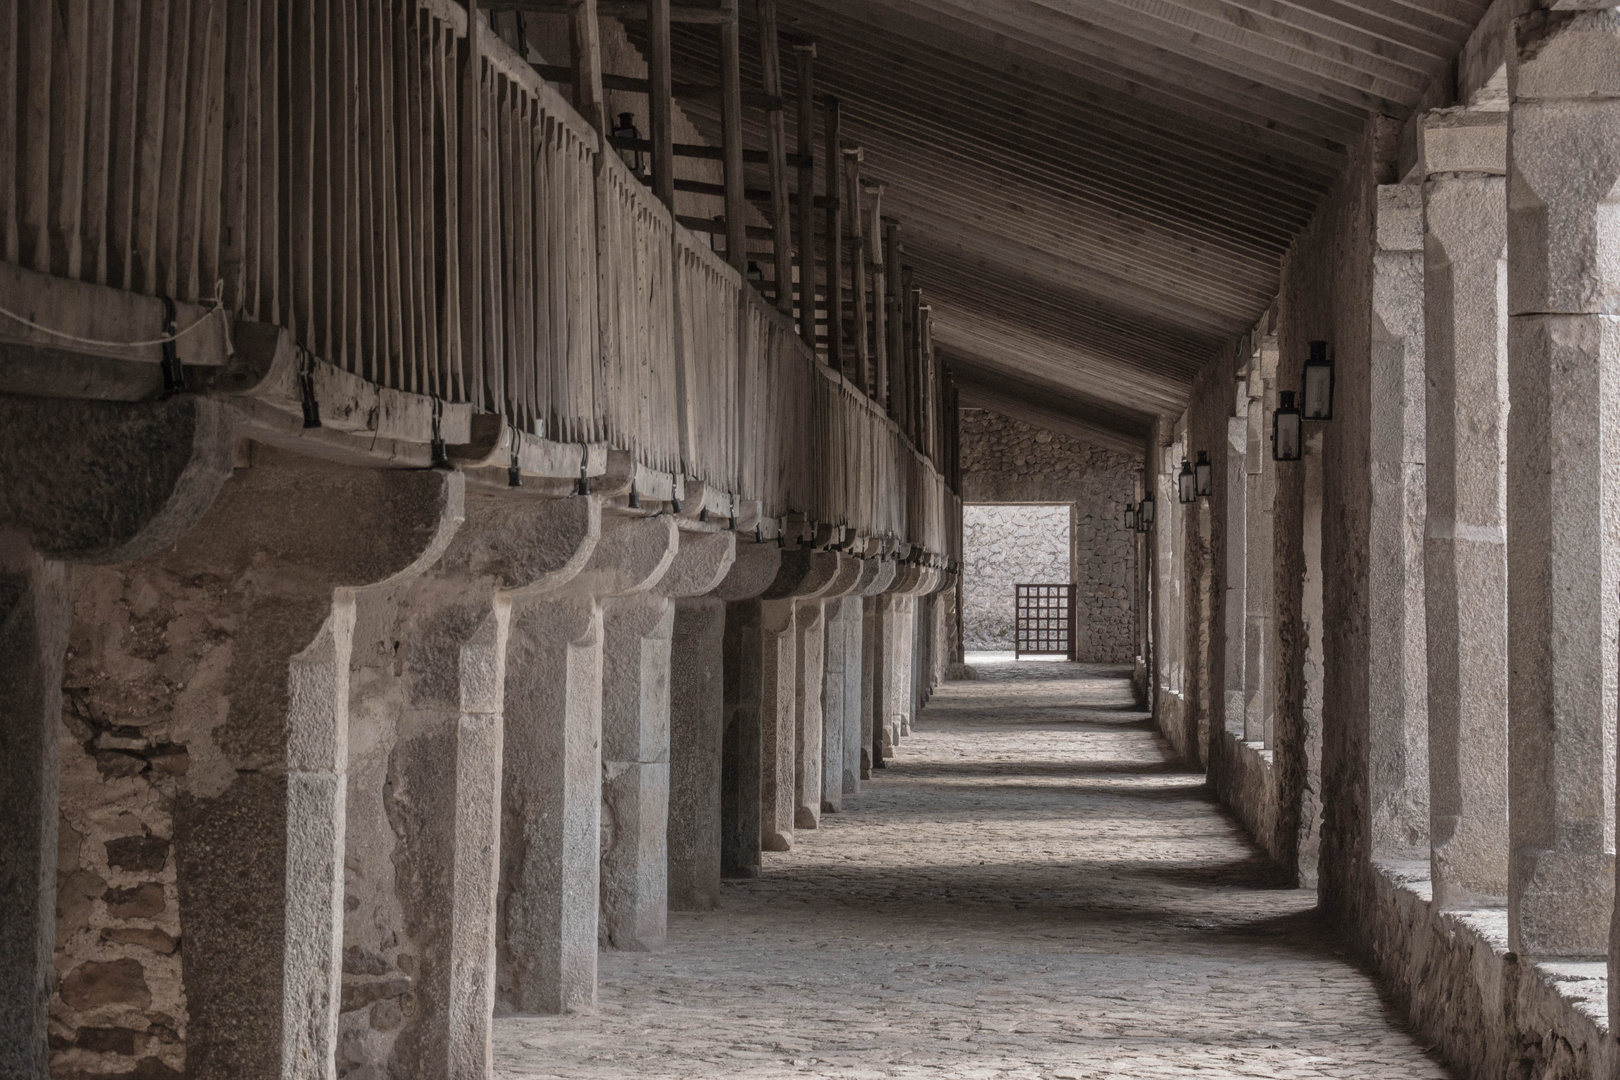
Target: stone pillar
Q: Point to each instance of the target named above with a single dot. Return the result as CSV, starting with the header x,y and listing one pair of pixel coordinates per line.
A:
x,y
1397,642
1465,560
1563,492
832,703
1259,501
820,709
35,608
804,573
636,704
552,780
422,836
858,677
1234,683
703,700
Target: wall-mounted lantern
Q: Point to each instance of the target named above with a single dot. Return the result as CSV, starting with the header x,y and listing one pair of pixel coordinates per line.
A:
x,y
1318,403
1186,483
626,129
1285,429
1145,513
1130,516
1204,475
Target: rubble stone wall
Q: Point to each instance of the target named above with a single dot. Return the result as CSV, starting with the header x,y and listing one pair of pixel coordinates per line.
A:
x,y
1007,461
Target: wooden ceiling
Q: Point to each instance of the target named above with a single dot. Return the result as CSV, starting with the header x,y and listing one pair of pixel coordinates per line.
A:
x,y
1096,194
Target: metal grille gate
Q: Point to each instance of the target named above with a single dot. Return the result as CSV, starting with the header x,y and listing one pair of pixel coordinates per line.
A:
x,y
1044,622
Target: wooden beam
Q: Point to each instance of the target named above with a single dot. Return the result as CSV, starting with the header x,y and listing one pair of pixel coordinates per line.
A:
x,y
891,304
835,239
806,55
857,269
880,310
623,10
660,92
698,150
732,140
561,73
770,56
589,100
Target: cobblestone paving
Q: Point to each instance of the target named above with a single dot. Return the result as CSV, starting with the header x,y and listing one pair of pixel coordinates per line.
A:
x,y
1030,891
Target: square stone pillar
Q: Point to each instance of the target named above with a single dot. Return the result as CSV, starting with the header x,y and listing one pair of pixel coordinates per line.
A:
x,y
552,781
836,622
1563,491
699,687
422,834
810,630
1464,552
1260,485
636,742
778,777
742,757
35,609
1234,457
875,578
1397,641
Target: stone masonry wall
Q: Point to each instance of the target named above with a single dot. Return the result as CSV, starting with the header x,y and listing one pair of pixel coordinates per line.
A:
x,y
1007,461
1004,546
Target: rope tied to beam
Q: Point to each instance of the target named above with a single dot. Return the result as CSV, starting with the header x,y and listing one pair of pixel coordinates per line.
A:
x,y
170,338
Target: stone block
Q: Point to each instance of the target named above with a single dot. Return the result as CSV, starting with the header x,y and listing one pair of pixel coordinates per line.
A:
x,y
113,982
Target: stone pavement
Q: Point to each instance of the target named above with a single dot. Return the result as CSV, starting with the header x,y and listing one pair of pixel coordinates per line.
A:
x,y
1029,891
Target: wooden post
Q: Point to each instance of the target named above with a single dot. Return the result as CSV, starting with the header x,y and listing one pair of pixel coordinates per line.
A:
x,y
896,323
660,96
857,268
880,311
731,139
807,196
588,96
770,55
835,240
472,197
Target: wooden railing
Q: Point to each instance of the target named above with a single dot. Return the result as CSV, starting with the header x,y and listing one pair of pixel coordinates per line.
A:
x,y
432,227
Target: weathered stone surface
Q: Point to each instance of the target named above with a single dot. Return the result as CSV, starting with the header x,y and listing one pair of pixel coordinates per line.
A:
x,y
113,982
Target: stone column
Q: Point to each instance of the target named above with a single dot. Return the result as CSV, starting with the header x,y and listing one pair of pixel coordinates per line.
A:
x,y
705,688
427,690
804,573
814,748
1465,560
842,669
423,826
552,780
859,675
1260,484
636,703
1234,456
1563,493
1397,643
35,607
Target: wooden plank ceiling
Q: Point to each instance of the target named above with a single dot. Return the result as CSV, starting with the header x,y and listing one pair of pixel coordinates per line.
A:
x,y
1096,194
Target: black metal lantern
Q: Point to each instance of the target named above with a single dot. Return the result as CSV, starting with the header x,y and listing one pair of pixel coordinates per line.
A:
x,y
1204,475
1318,403
1186,483
1130,516
1286,443
1145,513
626,129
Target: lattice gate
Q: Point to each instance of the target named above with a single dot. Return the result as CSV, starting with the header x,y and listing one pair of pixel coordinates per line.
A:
x,y
1044,620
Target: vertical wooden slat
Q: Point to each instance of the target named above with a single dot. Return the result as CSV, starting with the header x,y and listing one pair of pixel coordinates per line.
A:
x,y
69,100
265,204
409,130
422,54
471,187
213,150
776,152
11,71
355,42
197,104
300,141
892,319
171,201
34,75
97,145
240,126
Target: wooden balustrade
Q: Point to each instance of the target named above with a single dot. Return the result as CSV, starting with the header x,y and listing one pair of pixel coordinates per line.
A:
x,y
312,160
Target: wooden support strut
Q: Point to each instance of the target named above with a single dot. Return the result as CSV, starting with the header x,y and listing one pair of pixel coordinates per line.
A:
x,y
891,300
624,10
835,240
862,375
471,228
806,55
660,101
880,311
731,140
589,98
770,54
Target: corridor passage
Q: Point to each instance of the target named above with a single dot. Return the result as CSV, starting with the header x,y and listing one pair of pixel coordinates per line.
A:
x,y
1030,890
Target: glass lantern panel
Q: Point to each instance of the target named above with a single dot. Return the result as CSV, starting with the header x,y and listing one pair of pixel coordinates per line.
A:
x,y
1318,392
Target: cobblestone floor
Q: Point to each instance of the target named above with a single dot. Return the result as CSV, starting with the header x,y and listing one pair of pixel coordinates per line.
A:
x,y
1030,891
